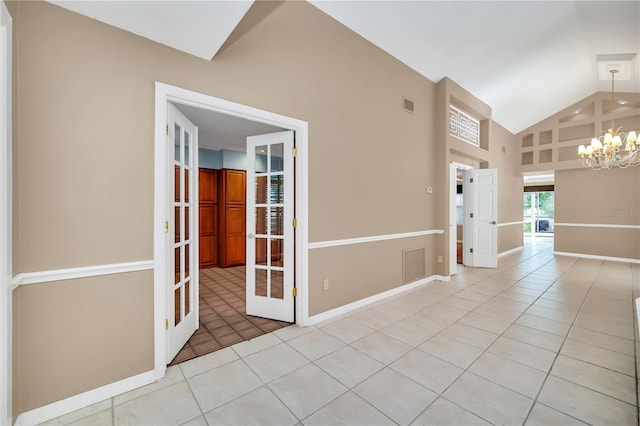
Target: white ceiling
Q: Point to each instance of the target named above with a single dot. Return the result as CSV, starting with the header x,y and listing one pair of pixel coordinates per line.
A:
x,y
220,131
526,59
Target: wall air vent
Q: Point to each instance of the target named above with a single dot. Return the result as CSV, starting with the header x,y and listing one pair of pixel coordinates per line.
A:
x,y
413,265
407,104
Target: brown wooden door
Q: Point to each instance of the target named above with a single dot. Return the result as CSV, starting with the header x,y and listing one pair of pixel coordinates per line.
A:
x,y
208,198
232,205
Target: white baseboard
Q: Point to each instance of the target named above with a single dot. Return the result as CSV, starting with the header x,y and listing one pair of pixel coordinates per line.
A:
x,y
332,313
592,256
513,250
76,402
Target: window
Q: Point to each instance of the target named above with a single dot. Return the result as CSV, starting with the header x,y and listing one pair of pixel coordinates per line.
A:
x,y
463,126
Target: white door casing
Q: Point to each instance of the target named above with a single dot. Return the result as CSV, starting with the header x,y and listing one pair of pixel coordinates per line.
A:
x,y
6,185
453,222
270,229
181,231
481,218
164,95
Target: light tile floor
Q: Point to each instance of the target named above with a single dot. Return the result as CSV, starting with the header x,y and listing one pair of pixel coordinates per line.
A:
x,y
541,340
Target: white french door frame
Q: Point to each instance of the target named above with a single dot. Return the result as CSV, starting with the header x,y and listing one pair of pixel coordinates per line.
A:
x,y
6,245
164,94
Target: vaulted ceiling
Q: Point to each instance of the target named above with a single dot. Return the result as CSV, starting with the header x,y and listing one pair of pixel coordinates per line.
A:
x,y
526,59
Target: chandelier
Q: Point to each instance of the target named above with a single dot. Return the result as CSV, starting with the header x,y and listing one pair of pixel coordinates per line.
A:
x,y
607,152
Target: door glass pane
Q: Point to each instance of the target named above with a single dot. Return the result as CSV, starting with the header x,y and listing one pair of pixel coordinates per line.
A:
x,y
277,255
261,190
176,306
261,282
261,251
276,190
186,223
187,252
177,221
277,284
176,183
187,181
277,151
176,147
187,148
177,265
261,159
261,220
187,298
276,220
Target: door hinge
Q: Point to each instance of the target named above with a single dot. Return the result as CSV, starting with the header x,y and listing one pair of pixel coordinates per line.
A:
x,y
294,152
470,180
470,250
471,215
294,291
294,222
166,324
166,227
167,129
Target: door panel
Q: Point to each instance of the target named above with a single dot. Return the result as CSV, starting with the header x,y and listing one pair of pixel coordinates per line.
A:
x,y
481,194
182,287
270,232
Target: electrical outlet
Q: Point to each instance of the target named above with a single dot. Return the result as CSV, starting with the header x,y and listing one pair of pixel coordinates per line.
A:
x,y
325,284
439,259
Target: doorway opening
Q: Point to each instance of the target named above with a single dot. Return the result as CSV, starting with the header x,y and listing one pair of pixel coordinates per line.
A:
x,y
223,165
457,215
538,206
220,187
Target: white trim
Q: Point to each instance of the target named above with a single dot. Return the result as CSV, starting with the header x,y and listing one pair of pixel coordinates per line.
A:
x,y
344,309
593,256
82,272
510,223
349,241
165,93
6,224
85,399
638,312
507,252
597,225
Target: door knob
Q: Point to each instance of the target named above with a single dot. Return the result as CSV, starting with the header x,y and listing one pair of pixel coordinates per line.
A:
x,y
251,236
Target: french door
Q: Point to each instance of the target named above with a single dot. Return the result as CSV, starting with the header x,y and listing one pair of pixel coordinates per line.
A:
x,y
182,232
270,226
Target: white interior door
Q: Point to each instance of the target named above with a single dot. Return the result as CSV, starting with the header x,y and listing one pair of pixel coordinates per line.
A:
x,y
481,221
270,228
182,232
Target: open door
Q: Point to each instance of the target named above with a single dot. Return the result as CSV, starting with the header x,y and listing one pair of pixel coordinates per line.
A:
x,y
481,218
270,227
182,232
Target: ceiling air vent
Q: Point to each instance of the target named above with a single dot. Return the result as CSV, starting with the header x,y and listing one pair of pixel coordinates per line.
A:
x,y
407,104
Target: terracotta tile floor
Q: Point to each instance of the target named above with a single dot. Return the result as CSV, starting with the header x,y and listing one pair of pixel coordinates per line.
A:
x,y
223,321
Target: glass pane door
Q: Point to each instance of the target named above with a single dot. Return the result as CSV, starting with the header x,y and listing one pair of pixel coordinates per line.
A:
x,y
270,226
182,208
182,230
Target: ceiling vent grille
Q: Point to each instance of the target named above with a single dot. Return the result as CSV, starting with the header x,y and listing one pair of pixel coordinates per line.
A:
x,y
413,265
407,105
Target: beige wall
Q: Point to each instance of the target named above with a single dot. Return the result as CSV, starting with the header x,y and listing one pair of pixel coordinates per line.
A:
x,y
584,196
604,197
85,171
81,334
510,188
490,155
